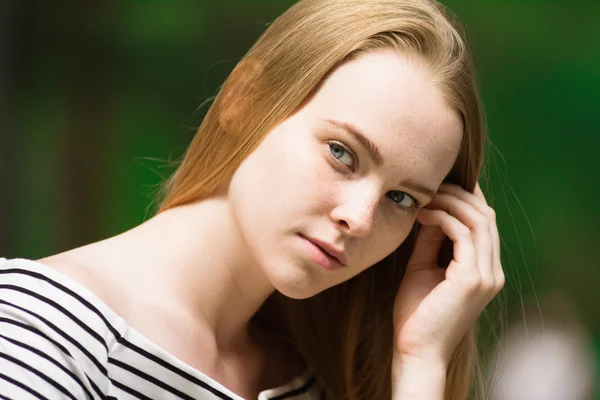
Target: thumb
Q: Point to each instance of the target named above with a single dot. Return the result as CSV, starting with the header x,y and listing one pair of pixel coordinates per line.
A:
x,y
427,246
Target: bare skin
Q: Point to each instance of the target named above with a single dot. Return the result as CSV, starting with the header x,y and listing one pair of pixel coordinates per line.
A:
x,y
309,176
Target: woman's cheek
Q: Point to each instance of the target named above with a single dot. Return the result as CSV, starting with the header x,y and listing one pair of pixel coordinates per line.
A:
x,y
396,234
325,183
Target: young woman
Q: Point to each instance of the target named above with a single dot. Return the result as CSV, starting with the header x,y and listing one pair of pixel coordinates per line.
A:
x,y
300,250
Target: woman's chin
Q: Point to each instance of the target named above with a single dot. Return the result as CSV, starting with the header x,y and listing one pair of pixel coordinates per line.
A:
x,y
300,285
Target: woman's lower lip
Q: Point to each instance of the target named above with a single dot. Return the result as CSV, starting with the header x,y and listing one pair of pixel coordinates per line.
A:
x,y
319,256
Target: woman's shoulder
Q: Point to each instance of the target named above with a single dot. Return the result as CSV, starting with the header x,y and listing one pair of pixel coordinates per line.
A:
x,y
82,275
57,288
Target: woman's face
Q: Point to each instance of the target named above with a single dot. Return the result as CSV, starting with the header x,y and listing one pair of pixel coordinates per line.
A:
x,y
315,176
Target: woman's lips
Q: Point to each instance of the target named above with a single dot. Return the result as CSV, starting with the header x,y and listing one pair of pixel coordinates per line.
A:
x,y
320,256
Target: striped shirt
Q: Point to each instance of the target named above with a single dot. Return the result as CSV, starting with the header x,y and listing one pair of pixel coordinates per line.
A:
x,y
59,341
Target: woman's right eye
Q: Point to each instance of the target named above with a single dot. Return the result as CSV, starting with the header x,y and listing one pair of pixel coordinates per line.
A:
x,y
342,154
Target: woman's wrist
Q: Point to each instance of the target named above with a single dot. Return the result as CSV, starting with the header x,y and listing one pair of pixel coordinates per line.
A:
x,y
418,379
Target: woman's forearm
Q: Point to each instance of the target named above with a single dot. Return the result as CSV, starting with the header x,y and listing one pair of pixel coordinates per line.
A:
x,y
418,380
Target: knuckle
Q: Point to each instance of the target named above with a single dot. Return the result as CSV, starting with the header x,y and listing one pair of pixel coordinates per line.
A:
x,y
463,231
490,213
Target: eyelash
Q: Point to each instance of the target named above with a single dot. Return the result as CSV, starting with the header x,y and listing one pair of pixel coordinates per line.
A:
x,y
416,204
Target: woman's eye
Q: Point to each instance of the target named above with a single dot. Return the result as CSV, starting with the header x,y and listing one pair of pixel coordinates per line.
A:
x,y
341,154
402,199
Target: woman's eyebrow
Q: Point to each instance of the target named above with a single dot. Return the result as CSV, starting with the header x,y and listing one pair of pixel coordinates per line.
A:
x,y
372,148
425,191
375,154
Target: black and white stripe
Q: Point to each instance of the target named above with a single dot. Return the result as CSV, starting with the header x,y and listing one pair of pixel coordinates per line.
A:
x,y
59,341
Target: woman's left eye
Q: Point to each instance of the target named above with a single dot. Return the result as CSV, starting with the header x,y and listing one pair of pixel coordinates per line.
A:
x,y
403,200
341,154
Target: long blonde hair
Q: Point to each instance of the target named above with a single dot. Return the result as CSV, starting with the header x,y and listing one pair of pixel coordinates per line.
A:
x,y
344,333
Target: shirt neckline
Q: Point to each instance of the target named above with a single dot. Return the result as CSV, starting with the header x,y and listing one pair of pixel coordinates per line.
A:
x,y
125,329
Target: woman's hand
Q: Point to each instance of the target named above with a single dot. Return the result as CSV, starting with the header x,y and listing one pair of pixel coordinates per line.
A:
x,y
435,306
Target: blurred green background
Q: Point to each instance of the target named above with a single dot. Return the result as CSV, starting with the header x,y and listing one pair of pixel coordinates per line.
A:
x,y
94,94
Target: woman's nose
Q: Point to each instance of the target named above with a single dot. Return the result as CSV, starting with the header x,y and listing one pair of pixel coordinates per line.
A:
x,y
355,215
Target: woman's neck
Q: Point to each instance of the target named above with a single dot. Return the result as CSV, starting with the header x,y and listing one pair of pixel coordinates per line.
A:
x,y
193,260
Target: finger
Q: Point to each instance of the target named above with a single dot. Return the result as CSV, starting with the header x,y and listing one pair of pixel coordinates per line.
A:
x,y
477,200
427,246
479,226
498,272
479,193
463,247
492,216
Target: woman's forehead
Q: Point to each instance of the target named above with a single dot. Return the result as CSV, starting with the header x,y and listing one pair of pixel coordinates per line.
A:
x,y
392,101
